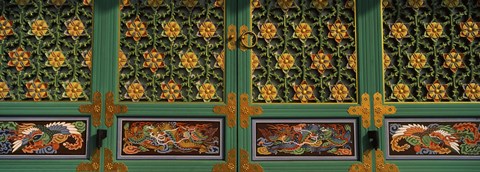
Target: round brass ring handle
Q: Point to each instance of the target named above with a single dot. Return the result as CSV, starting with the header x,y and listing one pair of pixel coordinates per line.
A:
x,y
244,41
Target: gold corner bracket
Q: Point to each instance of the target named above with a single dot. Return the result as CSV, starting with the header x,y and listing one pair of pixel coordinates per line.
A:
x,y
232,37
381,110
245,165
93,165
230,165
95,109
363,110
246,111
365,166
380,164
112,109
109,165
229,110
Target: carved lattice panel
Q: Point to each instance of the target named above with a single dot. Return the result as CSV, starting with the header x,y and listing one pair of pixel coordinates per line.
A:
x,y
172,51
431,50
305,51
45,50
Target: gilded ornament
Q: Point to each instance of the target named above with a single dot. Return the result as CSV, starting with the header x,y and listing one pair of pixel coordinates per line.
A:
x,y
136,29
451,3
19,58
246,111
285,4
401,91
109,165
111,109
220,60
122,60
469,30
93,165
268,31
190,3
135,91
352,61
350,4
418,60
75,28
207,29
255,62
365,166
434,30
415,3
472,91
58,2
381,110
321,61
39,28
87,59
303,92
246,165
154,3
363,110
386,4
399,30
5,28
73,90
219,3
172,29
269,93
153,60
386,61
3,90
320,4
303,31
37,90
230,163
380,164
171,91
232,37
56,59
94,109
189,60
285,61
206,92
339,92
87,2
338,31
453,60
229,110
437,91
22,2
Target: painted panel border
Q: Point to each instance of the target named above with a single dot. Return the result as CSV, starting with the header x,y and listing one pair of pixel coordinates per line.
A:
x,y
355,141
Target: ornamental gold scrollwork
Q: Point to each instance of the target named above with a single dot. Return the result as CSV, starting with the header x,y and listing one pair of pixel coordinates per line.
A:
x,y
381,110
109,165
95,108
380,164
229,110
111,109
232,37
245,165
363,110
246,111
93,165
366,166
230,165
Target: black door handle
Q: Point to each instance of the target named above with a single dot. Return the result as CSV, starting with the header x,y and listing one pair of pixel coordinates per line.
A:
x,y
101,134
373,139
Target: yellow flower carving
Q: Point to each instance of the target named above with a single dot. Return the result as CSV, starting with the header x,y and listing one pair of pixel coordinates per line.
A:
x,y
153,60
220,60
206,92
399,30
87,59
472,91
36,90
434,30
87,2
453,60
285,61
3,90
268,93
122,60
219,3
135,91
56,59
321,61
285,4
39,28
437,91
303,92
22,2
255,4
268,30
255,62
189,60
470,30
136,29
58,2
401,91
415,3
386,61
418,60
154,3
207,29
320,4
5,28
385,3
190,3
172,29
339,92
338,31
451,3
75,28
352,61
73,90
171,91
303,31
19,58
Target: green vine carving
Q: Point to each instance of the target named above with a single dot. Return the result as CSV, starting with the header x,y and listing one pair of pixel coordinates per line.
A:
x,y
305,52
431,50
44,49
173,51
